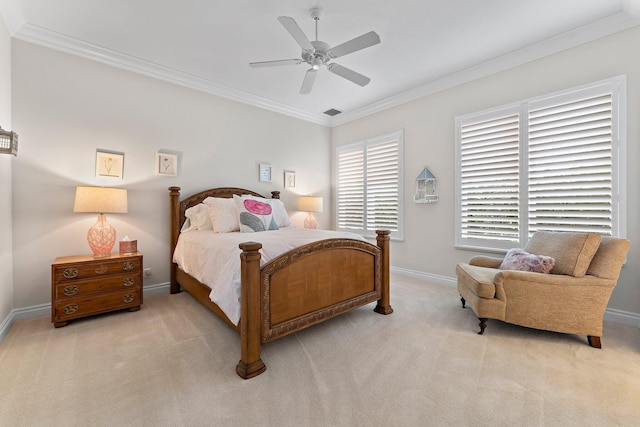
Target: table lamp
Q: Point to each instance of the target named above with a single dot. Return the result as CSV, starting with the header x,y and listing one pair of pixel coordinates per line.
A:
x,y
101,200
310,204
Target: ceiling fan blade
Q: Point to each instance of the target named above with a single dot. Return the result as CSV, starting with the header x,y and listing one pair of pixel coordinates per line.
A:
x,y
353,45
275,63
292,27
349,74
307,83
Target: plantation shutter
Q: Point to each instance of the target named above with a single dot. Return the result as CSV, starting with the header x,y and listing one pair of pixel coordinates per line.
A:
x,y
382,186
553,163
488,178
351,189
369,185
570,165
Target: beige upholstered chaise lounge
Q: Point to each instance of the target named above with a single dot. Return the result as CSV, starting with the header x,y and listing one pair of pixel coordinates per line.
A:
x,y
571,299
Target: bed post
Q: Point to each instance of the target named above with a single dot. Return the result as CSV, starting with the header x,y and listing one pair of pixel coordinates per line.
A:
x,y
383,306
174,199
275,194
250,364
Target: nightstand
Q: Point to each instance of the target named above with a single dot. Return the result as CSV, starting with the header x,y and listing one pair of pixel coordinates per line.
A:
x,y
84,285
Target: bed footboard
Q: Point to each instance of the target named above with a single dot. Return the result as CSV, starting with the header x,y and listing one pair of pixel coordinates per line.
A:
x,y
306,286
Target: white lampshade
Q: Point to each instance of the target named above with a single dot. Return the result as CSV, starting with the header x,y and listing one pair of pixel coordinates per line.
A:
x,y
310,204
100,200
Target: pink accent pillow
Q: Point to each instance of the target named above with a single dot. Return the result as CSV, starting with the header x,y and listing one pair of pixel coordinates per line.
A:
x,y
518,259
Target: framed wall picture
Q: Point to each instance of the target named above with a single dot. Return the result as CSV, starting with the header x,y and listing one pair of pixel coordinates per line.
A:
x,y
109,164
265,172
289,179
166,164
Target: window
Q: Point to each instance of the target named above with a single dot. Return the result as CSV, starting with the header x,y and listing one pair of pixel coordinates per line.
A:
x,y
369,185
551,163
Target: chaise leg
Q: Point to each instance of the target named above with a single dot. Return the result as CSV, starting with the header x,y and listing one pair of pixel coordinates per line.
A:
x,y
482,324
462,300
594,341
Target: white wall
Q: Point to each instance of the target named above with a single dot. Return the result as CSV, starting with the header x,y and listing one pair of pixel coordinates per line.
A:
x,y
429,140
6,261
66,107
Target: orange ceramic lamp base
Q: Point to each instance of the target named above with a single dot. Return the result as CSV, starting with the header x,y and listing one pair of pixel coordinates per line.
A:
x,y
101,237
310,221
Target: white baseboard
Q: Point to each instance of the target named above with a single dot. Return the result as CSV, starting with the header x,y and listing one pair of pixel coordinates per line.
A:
x,y
159,289
45,309
23,313
620,316
426,277
610,314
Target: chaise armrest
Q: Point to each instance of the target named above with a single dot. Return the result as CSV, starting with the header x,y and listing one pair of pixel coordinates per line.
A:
x,y
486,261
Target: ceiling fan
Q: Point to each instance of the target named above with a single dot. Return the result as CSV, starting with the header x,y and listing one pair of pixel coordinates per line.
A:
x,y
317,53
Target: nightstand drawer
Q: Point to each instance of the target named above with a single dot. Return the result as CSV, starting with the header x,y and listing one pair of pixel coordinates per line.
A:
x,y
96,268
80,307
87,287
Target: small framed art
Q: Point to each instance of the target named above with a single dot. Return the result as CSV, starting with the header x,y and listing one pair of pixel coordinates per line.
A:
x,y
265,172
109,164
289,179
166,164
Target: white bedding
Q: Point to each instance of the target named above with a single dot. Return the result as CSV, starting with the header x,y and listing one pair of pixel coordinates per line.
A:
x,y
214,258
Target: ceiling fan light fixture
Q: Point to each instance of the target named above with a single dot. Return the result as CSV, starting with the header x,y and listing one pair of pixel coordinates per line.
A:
x,y
317,53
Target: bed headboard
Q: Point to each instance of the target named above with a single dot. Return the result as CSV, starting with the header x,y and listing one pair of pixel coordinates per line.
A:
x,y
178,208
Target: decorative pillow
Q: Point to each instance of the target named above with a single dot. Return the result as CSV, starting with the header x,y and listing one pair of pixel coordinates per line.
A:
x,y
280,215
254,215
519,259
223,214
573,251
197,218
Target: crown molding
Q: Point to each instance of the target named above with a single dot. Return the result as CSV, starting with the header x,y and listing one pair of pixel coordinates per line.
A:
x,y
604,27
43,37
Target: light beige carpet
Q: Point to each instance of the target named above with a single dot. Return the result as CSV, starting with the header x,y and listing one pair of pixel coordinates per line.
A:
x,y
173,364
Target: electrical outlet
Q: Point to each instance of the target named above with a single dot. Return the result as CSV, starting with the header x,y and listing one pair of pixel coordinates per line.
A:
x,y
147,272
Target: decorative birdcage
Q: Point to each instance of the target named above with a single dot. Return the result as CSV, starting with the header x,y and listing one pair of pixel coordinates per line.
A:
x,y
425,187
8,142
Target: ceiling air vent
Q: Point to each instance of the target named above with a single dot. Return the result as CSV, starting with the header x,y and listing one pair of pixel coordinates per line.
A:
x,y
332,112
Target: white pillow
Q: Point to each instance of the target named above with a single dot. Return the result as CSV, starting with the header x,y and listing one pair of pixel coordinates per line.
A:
x,y
223,214
280,214
197,219
254,215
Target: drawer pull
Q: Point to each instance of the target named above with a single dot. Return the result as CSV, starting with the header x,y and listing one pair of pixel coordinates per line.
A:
x,y
128,298
102,269
70,308
128,266
129,281
70,290
70,273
